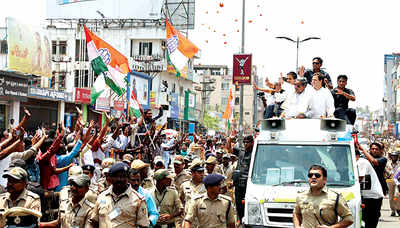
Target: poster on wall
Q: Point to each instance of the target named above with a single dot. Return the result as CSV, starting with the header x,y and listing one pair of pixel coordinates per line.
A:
x,y
141,84
28,49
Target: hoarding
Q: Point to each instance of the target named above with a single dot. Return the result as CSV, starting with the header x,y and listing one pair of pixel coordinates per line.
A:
x,y
13,87
28,49
242,69
105,9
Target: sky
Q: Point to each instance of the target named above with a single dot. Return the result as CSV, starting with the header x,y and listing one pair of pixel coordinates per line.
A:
x,y
355,35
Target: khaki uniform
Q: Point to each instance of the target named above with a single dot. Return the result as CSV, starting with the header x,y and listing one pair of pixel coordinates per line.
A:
x,y
180,178
168,202
228,173
71,216
217,213
316,210
148,183
126,210
217,170
101,185
189,190
27,199
391,169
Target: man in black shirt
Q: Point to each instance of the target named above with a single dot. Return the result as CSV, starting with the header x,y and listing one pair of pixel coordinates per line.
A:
x,y
316,63
342,96
378,162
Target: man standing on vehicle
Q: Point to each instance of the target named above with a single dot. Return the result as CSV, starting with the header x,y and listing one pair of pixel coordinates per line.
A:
x,y
319,206
241,174
342,96
316,64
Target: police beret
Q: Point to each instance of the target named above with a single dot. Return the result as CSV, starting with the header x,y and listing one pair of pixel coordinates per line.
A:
x,y
75,170
213,179
394,153
127,158
17,163
226,156
211,160
162,173
107,162
158,159
139,164
16,173
179,160
118,167
80,180
196,165
90,168
220,151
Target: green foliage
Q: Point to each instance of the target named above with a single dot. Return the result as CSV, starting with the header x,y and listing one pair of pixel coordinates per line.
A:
x,y
211,123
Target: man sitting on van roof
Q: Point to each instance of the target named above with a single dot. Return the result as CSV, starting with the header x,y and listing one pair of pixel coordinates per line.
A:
x,y
298,104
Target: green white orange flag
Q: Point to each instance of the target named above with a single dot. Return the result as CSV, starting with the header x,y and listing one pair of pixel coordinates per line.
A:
x,y
108,63
134,106
179,50
228,114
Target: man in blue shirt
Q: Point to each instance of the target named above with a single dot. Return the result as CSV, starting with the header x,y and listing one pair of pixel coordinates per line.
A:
x,y
135,181
64,160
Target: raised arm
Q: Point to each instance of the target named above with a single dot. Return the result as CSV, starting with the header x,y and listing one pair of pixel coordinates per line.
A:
x,y
24,120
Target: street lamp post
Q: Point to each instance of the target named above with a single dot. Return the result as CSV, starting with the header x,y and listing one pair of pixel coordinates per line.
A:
x,y
297,41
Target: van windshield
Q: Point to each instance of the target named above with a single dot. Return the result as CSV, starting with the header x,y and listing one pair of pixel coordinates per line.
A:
x,y
289,164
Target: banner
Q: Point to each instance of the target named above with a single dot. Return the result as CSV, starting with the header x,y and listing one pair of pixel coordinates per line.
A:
x,y
28,49
242,69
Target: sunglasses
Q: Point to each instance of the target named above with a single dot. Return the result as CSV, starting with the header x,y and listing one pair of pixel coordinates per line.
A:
x,y
317,175
316,63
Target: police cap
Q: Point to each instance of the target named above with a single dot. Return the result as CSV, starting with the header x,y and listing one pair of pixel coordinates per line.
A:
x,y
213,179
118,167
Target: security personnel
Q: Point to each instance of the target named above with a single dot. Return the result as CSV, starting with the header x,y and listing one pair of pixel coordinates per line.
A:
x,y
181,175
147,180
211,209
119,206
241,174
319,206
17,195
22,217
391,168
89,170
195,186
227,168
167,200
75,211
212,166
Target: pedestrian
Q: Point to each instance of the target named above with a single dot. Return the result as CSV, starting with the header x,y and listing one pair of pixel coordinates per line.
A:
x,y
211,209
119,206
371,192
167,200
320,206
391,168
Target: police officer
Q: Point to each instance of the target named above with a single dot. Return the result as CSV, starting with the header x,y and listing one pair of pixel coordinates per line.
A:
x,y
167,200
319,206
75,211
211,209
22,217
181,175
195,186
119,206
212,166
143,168
17,195
241,173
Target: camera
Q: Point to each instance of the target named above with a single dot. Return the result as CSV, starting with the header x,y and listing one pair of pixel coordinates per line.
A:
x,y
165,107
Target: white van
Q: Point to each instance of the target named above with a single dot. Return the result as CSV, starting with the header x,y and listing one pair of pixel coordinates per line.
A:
x,y
282,154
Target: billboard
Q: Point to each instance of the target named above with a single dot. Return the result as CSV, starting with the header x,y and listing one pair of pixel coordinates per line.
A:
x,y
28,49
104,9
181,13
242,69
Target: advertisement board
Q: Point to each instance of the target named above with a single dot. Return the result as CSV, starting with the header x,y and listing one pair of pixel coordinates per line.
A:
x,y
174,111
242,69
82,95
141,84
104,9
28,49
13,87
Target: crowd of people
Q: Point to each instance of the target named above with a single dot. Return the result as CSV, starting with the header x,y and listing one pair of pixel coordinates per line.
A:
x,y
308,94
121,174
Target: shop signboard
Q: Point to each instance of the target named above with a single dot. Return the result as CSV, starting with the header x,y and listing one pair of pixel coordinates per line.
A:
x,y
174,111
28,49
50,94
190,105
82,96
141,84
103,104
242,69
13,87
119,105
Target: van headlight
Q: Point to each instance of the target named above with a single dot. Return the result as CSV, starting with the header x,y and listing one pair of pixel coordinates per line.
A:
x,y
254,214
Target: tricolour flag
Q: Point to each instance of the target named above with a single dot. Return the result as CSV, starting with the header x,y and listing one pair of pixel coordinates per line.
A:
x,y
108,63
228,114
134,106
179,50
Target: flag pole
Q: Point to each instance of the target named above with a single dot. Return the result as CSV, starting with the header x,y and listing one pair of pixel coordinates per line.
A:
x,y
128,97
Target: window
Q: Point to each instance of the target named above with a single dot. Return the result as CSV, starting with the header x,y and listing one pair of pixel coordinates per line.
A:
x,y
163,46
224,101
3,47
81,80
237,101
79,49
62,47
247,113
145,48
224,85
283,164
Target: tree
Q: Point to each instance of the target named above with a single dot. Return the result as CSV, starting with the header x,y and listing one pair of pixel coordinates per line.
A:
x,y
210,122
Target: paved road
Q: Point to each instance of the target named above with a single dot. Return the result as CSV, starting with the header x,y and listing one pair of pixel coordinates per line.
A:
x,y
386,221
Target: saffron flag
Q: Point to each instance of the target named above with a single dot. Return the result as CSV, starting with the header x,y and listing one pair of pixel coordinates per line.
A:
x,y
228,114
108,63
179,50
